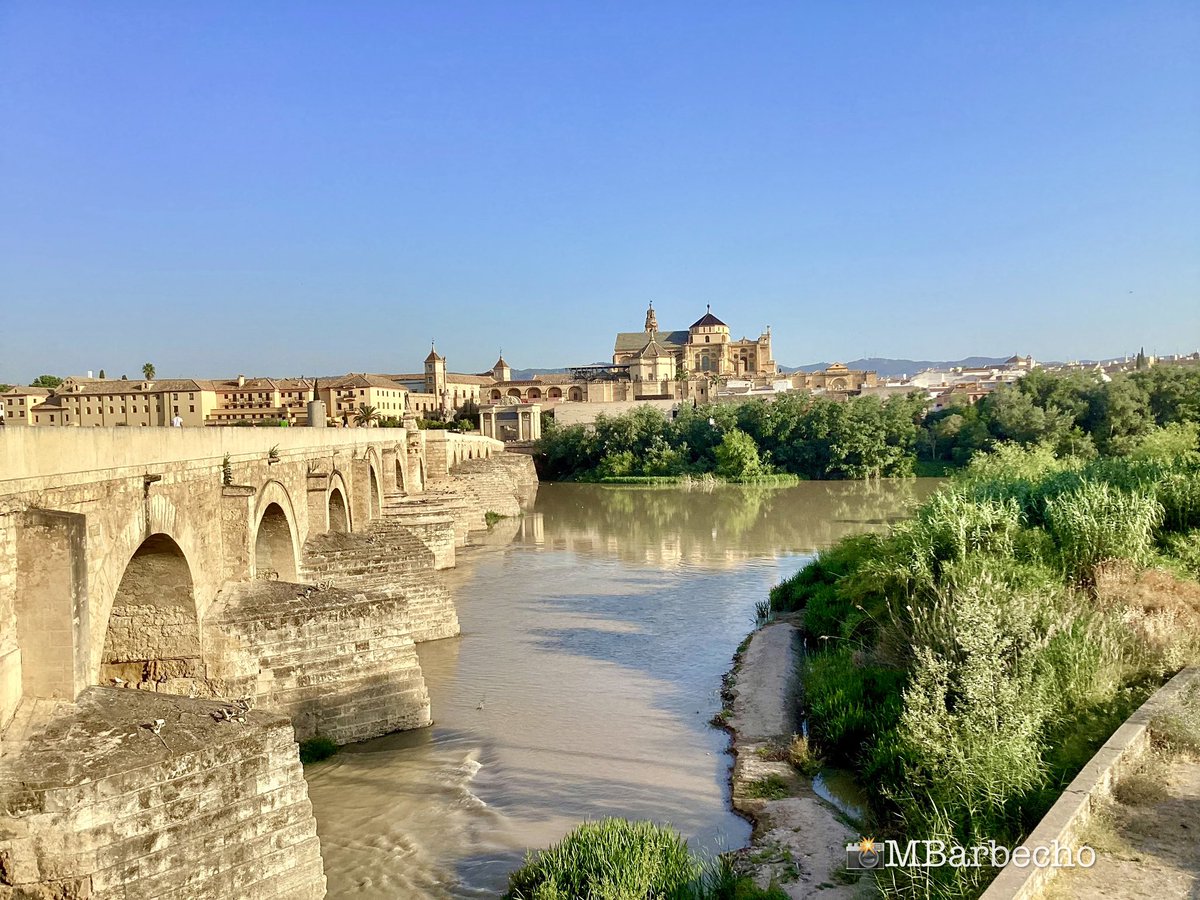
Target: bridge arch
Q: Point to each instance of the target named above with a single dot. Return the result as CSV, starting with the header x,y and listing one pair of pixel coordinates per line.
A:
x,y
152,636
275,536
337,504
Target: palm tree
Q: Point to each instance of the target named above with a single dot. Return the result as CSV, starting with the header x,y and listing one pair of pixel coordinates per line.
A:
x,y
148,371
366,416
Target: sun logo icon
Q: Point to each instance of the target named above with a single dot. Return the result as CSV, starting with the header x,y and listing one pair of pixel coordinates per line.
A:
x,y
866,845
866,854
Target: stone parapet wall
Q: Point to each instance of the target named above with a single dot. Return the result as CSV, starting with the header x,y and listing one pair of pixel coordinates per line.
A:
x,y
95,805
342,665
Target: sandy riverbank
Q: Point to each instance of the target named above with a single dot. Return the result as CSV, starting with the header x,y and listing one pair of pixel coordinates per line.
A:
x,y
799,841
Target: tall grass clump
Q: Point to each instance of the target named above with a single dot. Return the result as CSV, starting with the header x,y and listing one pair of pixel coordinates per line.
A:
x,y
1097,523
611,859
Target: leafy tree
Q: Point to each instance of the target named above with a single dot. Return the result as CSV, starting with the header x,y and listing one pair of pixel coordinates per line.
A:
x,y
46,381
616,465
5,387
1172,393
148,370
737,455
366,416
101,373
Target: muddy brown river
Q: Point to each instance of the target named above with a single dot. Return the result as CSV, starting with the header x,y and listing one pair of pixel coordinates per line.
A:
x,y
595,631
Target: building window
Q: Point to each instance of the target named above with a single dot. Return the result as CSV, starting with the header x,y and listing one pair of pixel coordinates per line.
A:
x,y
191,409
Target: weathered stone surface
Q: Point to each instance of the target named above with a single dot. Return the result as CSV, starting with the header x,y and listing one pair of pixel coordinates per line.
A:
x,y
97,805
341,664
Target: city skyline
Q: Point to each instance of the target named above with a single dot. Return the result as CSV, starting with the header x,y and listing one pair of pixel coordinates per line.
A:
x,y
223,190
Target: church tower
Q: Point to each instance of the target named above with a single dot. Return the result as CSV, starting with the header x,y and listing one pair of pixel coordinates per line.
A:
x,y
501,370
651,320
435,373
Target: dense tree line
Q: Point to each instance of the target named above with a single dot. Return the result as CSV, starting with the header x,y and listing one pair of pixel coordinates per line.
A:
x,y
798,434
1082,415
1079,414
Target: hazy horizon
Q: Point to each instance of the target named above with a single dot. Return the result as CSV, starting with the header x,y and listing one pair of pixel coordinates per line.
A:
x,y
280,190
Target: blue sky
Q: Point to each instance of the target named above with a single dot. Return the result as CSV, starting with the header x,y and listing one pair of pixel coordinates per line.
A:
x,y
281,188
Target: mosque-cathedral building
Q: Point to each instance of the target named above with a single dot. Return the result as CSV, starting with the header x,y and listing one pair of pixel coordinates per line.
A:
x,y
701,363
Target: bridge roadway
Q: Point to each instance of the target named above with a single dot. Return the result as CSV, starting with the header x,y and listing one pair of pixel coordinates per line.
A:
x,y
159,574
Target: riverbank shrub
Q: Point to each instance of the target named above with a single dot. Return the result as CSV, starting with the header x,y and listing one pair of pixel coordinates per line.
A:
x,y
970,662
616,859
612,858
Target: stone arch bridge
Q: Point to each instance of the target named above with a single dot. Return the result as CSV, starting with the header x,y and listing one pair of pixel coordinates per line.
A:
x,y
242,588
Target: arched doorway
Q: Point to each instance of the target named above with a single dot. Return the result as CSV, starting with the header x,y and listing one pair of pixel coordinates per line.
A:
x,y
339,519
274,555
153,635
373,500
555,394
576,394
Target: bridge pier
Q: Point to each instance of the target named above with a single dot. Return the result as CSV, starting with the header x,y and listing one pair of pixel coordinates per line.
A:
x,y
52,620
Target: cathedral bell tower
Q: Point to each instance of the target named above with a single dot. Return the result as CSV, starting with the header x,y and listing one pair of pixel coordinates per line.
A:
x,y
651,320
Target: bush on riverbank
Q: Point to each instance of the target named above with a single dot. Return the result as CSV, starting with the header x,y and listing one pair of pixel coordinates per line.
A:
x,y
970,662
616,859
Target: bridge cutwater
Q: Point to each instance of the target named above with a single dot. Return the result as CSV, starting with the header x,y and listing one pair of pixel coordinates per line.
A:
x,y
179,607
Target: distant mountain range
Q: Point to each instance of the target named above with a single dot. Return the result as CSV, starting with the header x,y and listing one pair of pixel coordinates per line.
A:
x,y
889,367
884,366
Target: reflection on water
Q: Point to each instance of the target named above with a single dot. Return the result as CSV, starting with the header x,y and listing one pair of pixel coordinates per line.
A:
x,y
595,632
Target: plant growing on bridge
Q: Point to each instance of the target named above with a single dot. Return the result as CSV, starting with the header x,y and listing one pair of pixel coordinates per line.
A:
x,y
316,749
226,471
273,454
366,416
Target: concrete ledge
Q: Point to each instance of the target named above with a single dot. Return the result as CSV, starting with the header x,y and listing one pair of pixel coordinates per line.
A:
x,y
1071,813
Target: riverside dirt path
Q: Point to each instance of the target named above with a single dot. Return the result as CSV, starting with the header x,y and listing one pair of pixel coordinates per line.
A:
x,y
799,841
